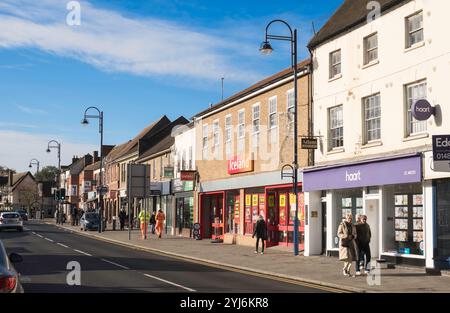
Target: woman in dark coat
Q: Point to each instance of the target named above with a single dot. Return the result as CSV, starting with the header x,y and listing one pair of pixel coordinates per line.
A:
x,y
260,232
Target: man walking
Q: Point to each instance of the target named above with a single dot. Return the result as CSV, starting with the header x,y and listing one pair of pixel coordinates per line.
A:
x,y
363,242
144,218
261,233
122,218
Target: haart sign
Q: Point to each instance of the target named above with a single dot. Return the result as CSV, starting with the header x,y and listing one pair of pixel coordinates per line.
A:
x,y
238,164
380,172
422,110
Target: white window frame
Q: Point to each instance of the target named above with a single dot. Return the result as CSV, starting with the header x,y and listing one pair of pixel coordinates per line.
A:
x,y
205,134
334,65
330,128
367,50
411,122
228,128
255,133
241,124
409,33
367,121
275,112
216,133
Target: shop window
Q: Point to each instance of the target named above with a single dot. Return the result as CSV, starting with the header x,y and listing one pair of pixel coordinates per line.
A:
x,y
443,219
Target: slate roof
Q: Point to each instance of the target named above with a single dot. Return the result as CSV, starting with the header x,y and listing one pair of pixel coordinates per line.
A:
x,y
350,14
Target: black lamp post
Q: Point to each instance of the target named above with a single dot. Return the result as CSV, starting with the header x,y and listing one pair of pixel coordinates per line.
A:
x,y
266,48
100,188
53,144
34,162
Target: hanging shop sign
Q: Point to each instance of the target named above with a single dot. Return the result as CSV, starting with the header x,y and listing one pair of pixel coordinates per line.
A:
x,y
187,175
441,153
422,110
168,172
239,164
309,143
400,170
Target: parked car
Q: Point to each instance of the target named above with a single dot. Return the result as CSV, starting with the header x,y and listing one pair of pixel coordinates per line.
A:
x,y
23,215
9,277
90,221
11,220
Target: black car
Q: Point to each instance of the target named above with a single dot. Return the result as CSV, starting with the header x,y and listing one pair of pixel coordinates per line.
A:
x,y
23,215
90,221
9,278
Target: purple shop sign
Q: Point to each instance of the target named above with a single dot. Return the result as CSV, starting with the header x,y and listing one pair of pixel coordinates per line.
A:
x,y
380,172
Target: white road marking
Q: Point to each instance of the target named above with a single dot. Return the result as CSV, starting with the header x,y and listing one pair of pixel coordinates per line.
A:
x,y
113,263
40,236
82,252
48,239
60,244
169,282
34,233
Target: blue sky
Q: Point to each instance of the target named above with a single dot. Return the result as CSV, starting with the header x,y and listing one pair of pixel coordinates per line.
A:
x,y
137,60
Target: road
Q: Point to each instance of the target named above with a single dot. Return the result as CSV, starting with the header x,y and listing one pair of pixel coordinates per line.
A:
x,y
110,268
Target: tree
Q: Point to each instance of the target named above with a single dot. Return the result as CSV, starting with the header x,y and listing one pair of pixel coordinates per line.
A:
x,y
48,173
5,170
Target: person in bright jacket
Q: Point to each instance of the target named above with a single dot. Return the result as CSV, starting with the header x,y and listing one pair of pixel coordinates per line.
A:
x,y
160,218
260,232
144,218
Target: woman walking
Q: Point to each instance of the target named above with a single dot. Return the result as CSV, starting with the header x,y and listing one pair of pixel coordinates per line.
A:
x,y
261,233
347,244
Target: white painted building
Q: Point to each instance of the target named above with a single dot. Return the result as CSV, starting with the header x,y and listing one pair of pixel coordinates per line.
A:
x,y
373,156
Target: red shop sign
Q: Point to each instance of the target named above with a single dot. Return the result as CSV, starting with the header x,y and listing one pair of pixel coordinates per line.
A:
x,y
238,164
187,175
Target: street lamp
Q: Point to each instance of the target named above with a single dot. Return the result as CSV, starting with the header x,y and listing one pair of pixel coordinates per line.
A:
x,y
53,144
34,162
266,48
85,121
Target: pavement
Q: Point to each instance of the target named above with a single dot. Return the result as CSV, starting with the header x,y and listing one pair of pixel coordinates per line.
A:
x,y
51,254
277,263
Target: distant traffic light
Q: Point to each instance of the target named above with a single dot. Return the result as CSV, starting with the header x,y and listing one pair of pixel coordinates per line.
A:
x,y
56,195
62,194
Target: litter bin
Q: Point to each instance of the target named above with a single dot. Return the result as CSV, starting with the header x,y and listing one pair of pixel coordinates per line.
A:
x,y
114,223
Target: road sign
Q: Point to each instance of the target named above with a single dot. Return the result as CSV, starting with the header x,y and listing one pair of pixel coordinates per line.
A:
x,y
441,153
309,143
103,190
138,182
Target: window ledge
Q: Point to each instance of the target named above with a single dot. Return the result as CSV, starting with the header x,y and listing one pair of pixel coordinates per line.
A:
x,y
415,46
335,151
373,63
416,136
372,144
335,78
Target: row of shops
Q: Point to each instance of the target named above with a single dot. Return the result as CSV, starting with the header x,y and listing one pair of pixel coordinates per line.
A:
x,y
408,213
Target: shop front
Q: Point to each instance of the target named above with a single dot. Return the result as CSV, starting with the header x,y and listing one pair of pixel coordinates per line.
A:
x,y
184,206
231,214
389,191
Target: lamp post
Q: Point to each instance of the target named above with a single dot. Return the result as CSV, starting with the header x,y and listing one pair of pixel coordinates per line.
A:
x,y
34,162
85,121
53,144
266,48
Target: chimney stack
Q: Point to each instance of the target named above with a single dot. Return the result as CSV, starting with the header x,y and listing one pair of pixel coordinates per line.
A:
x,y
96,157
10,177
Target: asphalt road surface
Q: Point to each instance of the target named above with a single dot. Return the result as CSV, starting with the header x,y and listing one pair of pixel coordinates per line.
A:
x,y
109,268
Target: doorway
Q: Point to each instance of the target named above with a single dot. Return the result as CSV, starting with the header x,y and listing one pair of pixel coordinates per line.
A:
x,y
324,227
372,212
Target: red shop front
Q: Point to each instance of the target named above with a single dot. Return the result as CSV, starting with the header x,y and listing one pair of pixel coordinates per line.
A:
x,y
212,214
280,213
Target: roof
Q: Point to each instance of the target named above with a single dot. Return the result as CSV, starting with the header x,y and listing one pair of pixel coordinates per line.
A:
x,y
350,14
93,167
132,145
19,177
162,145
259,85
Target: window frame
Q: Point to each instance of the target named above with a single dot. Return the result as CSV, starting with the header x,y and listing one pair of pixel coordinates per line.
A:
x,y
410,120
241,124
330,129
216,133
366,120
408,32
333,65
205,139
366,60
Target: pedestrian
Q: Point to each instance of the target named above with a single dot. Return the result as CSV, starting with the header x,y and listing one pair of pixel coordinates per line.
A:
x,y
122,218
57,216
144,218
363,237
160,218
261,233
73,215
153,222
347,244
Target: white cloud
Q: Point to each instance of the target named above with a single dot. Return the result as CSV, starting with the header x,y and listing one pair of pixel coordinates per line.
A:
x,y
19,125
29,110
112,42
18,148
